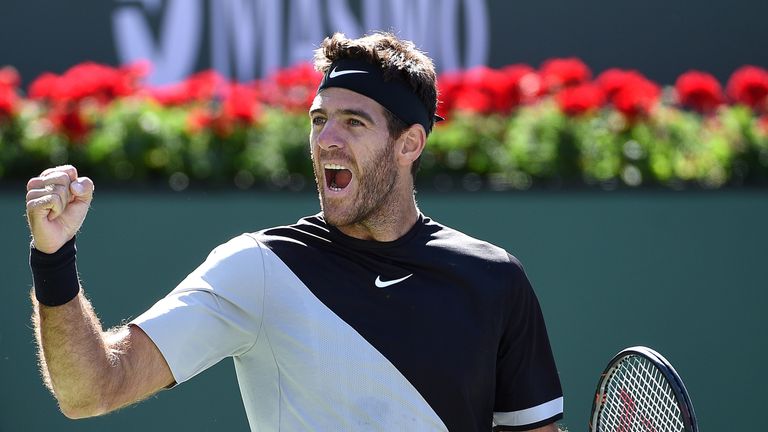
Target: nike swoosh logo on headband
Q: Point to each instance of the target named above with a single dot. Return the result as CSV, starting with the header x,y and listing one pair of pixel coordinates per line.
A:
x,y
334,73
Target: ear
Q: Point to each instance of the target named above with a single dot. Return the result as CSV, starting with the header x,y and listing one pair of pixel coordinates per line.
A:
x,y
410,145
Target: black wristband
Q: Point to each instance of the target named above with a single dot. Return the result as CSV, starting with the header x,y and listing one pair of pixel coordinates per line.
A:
x,y
55,275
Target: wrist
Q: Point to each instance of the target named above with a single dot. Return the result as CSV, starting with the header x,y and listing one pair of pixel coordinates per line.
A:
x,y
54,275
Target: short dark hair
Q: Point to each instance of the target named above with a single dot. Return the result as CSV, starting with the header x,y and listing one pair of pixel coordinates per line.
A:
x,y
397,58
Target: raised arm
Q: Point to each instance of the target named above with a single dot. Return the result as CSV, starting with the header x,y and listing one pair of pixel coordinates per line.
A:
x,y
89,370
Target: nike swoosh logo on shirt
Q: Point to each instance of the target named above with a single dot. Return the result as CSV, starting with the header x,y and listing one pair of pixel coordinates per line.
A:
x,y
383,284
334,73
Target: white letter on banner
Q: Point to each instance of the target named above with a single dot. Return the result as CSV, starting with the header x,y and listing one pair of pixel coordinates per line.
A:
x,y
250,28
174,55
434,27
414,20
475,30
341,19
305,30
372,18
410,19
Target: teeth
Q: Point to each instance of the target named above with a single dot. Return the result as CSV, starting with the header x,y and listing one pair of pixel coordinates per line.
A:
x,y
334,166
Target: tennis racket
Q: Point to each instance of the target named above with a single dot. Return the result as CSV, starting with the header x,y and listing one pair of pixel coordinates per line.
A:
x,y
640,391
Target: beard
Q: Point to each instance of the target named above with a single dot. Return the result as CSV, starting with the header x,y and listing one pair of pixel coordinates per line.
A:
x,y
374,190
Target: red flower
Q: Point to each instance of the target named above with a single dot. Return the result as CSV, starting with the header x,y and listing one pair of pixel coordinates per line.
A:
x,y
67,119
484,90
133,76
493,84
8,101
580,99
474,100
507,87
9,80
86,81
92,80
699,90
637,98
204,86
448,85
292,89
170,95
241,103
137,71
614,79
44,86
557,73
525,83
9,77
301,74
239,106
749,86
629,91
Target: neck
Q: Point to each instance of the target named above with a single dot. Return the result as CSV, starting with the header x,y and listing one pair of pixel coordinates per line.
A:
x,y
388,222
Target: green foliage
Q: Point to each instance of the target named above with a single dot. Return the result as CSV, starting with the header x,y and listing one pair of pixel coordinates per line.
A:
x,y
138,140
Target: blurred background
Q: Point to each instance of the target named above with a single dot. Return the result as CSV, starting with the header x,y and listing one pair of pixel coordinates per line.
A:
x,y
619,150
248,39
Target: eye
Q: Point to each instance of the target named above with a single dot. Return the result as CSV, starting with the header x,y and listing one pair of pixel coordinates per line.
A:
x,y
355,122
318,121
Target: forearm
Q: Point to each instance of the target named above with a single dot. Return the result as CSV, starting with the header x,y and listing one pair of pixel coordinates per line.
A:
x,y
90,371
77,363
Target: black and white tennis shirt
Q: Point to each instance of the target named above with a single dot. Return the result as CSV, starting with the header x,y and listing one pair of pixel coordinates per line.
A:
x,y
434,331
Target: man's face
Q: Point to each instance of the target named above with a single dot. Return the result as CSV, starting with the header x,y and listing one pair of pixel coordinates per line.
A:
x,y
352,155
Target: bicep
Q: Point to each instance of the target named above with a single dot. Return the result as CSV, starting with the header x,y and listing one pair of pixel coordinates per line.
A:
x,y
143,369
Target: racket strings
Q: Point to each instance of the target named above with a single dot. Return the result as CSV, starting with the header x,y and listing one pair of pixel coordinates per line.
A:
x,y
639,399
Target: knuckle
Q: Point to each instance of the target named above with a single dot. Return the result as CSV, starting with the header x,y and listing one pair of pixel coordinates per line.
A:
x,y
33,194
70,171
48,171
34,182
54,173
38,202
57,178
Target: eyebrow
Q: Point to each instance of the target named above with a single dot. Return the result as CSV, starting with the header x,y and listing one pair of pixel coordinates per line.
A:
x,y
348,111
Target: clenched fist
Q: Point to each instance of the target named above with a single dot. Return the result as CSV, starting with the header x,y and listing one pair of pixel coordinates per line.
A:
x,y
57,202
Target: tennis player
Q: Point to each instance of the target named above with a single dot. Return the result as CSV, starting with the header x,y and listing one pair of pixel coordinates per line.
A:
x,y
367,316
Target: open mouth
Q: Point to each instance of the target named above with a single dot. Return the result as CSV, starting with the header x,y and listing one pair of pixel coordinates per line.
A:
x,y
337,177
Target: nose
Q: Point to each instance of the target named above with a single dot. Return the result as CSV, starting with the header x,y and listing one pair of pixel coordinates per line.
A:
x,y
330,136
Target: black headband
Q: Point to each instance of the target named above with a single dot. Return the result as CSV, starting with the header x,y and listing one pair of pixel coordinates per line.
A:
x,y
395,95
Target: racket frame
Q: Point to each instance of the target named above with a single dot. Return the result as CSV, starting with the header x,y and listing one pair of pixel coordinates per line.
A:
x,y
666,369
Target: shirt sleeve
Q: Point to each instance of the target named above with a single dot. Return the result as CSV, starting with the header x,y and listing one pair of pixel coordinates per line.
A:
x,y
528,391
214,313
